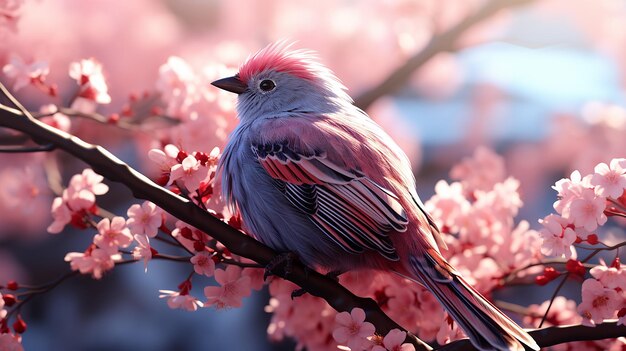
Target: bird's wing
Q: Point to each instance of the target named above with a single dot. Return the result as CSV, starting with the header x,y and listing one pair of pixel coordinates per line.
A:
x,y
352,210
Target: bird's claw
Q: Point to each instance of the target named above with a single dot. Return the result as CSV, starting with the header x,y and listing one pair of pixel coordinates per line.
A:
x,y
281,264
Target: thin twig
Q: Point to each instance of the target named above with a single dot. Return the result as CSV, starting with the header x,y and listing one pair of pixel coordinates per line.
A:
x,y
445,41
14,149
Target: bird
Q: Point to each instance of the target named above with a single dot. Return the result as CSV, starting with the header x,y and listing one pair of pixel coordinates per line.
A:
x,y
313,175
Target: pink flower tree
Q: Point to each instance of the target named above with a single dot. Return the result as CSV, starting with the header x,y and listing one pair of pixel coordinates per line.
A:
x,y
156,100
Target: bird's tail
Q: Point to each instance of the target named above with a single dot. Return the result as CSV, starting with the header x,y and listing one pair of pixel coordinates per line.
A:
x,y
486,326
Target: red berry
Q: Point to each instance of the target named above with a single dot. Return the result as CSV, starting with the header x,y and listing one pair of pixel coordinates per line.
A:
x,y
181,156
592,239
541,280
9,299
12,285
186,233
616,263
198,245
163,179
578,240
551,273
19,326
113,118
575,267
621,313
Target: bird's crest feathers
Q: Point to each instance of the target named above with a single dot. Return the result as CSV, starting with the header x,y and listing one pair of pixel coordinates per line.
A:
x,y
280,57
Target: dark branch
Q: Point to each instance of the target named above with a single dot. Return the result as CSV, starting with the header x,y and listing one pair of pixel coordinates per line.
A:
x,y
445,41
106,164
556,335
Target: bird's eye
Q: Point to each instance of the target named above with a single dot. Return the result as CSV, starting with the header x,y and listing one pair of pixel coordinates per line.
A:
x,y
267,85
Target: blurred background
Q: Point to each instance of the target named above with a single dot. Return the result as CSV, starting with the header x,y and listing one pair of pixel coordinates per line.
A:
x,y
541,82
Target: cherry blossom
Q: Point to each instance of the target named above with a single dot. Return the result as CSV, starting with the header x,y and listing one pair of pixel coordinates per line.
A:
x,y
190,172
3,312
177,300
351,329
203,264
165,158
56,119
394,341
562,312
448,204
90,181
142,251
557,237
89,76
10,13
609,181
113,233
144,219
569,189
233,288
587,211
598,302
24,73
94,261
471,171
613,277
61,214
10,342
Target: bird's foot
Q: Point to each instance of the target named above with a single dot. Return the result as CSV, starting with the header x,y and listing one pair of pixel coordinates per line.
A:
x,y
281,264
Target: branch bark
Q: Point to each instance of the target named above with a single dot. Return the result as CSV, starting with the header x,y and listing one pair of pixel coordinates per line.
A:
x,y
556,335
337,296
111,167
445,41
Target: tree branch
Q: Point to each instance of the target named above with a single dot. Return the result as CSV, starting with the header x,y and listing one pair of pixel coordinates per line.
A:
x,y
438,43
111,167
556,335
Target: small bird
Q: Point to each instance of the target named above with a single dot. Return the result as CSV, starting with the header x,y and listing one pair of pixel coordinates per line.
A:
x,y
312,174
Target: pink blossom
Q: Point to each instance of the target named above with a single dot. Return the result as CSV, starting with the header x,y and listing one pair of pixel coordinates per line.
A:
x,y
609,181
598,302
257,277
562,312
165,158
88,74
203,264
569,189
95,261
233,288
177,300
557,237
352,330
10,13
56,119
61,214
448,204
10,342
142,251
190,172
587,211
90,181
113,233
3,312
24,73
144,219
393,341
611,277
78,199
177,85
471,171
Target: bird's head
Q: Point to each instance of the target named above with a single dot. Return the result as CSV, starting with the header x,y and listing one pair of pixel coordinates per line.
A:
x,y
278,82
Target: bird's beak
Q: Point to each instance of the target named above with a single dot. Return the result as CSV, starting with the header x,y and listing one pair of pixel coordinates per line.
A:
x,y
232,84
